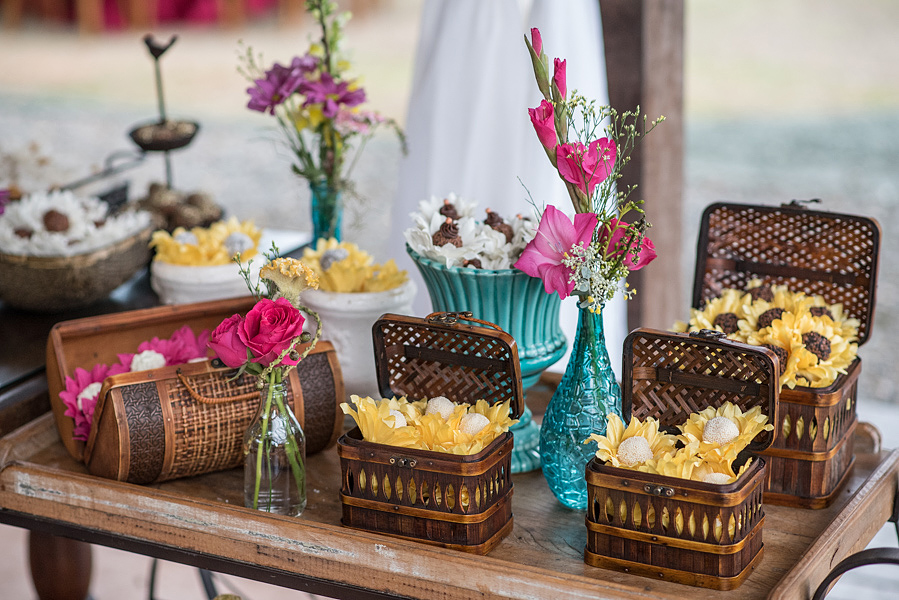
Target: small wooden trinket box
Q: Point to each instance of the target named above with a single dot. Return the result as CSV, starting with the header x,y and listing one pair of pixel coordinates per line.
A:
x,y
675,529
462,502
815,252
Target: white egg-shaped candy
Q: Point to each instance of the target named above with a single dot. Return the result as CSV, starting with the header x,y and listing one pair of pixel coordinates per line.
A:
x,y
633,451
473,423
716,478
440,405
720,430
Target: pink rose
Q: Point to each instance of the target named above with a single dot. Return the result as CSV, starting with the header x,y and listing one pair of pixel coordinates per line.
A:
x,y
226,342
586,166
559,76
543,120
269,329
536,41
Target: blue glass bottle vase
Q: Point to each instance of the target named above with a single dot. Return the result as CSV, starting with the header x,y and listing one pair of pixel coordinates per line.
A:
x,y
327,211
586,395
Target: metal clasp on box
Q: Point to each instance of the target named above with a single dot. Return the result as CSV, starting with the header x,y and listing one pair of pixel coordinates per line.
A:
x,y
403,462
449,318
658,490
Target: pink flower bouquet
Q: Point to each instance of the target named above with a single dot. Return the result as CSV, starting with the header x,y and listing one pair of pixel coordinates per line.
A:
x,y
591,256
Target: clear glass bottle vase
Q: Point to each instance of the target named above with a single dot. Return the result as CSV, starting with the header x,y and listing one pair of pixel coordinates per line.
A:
x,y
275,455
327,211
586,395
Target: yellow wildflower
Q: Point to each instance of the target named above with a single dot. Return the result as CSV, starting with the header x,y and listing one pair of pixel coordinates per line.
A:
x,y
290,276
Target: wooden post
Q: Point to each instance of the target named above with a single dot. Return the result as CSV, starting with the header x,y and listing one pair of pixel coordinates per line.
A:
x,y
644,46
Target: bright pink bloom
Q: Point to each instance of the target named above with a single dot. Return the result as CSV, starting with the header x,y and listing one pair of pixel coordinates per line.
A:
x,y
181,348
559,76
544,123
536,41
226,343
82,410
556,234
617,245
269,329
586,166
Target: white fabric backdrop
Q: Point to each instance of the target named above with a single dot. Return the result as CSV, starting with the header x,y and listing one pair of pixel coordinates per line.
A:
x,y
468,126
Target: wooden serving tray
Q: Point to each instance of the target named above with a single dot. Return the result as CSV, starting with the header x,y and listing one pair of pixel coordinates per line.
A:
x,y
541,558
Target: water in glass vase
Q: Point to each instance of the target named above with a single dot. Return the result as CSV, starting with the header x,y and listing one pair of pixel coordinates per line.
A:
x,y
587,394
275,456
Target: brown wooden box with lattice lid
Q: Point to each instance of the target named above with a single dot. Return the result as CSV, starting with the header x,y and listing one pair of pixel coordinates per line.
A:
x,y
148,426
674,529
455,501
816,252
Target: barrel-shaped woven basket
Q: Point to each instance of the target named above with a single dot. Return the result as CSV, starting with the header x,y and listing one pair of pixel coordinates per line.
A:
x,y
59,283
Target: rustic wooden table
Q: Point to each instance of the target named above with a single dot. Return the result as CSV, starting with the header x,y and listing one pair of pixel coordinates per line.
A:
x,y
201,521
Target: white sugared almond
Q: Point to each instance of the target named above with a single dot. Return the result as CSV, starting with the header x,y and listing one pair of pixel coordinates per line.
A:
x,y
473,423
633,451
716,478
399,420
720,430
440,405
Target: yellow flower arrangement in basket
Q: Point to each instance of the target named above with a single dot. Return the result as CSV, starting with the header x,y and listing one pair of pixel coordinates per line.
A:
x,y
344,267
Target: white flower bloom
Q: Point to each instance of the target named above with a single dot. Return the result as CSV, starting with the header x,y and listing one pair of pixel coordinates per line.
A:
x,y
88,393
146,360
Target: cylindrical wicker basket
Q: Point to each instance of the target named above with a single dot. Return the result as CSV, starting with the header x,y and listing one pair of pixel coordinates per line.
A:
x,y
58,283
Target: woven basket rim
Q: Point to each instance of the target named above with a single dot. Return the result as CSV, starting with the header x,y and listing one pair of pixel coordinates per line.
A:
x,y
598,467
66,261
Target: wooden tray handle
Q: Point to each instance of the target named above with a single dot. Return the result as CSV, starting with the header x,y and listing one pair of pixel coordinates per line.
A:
x,y
206,399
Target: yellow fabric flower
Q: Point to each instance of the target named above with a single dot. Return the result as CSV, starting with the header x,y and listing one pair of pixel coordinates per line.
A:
x,y
290,276
715,314
202,247
680,463
344,267
784,300
748,426
712,470
609,445
428,431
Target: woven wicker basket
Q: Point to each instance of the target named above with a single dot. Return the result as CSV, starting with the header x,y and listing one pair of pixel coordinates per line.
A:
x,y
675,529
817,252
58,283
454,501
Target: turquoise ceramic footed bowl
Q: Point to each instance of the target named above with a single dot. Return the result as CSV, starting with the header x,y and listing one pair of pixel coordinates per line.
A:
x,y
509,298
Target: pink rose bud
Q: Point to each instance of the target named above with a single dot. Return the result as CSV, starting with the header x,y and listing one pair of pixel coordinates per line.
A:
x,y
226,344
543,120
559,76
536,41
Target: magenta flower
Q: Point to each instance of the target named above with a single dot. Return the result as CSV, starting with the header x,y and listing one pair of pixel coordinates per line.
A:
x,y
544,123
361,121
559,77
556,235
330,94
179,349
81,395
4,200
279,83
586,166
536,41
621,242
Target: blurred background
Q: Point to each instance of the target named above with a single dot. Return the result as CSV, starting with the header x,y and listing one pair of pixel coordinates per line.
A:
x,y
783,100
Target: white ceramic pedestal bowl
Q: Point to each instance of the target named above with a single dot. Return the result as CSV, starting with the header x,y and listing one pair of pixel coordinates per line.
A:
x,y
181,284
347,319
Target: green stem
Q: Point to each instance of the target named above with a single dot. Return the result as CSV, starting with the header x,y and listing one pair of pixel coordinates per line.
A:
x,y
261,450
293,451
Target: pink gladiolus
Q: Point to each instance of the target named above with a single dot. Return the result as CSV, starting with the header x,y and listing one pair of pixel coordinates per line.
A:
x,y
586,166
543,255
559,77
620,244
536,41
544,123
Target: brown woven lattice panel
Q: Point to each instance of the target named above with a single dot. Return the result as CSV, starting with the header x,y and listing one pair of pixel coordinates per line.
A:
x,y
816,252
669,376
422,359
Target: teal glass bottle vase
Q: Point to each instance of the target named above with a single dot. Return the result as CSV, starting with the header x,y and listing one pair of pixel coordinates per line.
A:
x,y
327,211
586,395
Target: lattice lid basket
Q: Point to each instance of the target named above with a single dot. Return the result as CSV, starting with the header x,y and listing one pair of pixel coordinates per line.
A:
x,y
811,251
455,501
674,529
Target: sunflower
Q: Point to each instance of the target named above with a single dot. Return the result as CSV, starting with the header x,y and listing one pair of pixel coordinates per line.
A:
x,y
722,432
215,245
721,314
845,326
632,446
823,353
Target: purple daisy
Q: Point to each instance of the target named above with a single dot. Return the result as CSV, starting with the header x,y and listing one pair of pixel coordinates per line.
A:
x,y
330,94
